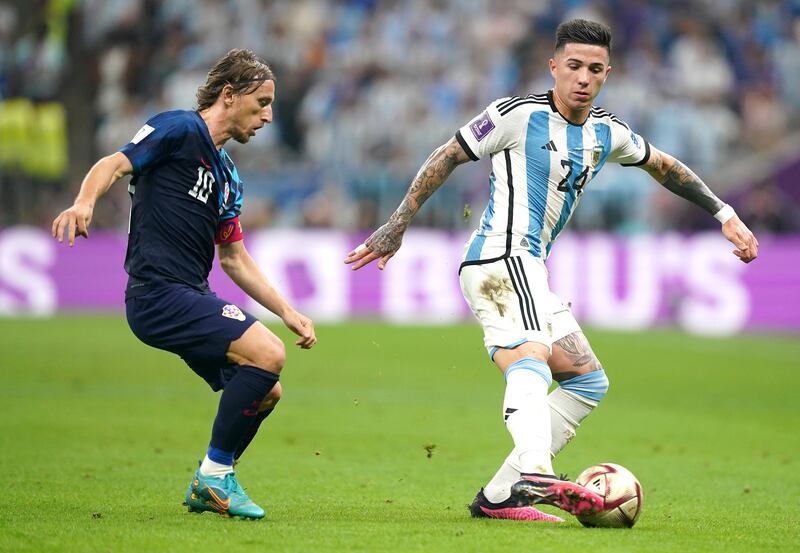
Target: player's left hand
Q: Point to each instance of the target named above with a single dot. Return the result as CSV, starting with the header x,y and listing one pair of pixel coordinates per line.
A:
x,y
740,236
303,327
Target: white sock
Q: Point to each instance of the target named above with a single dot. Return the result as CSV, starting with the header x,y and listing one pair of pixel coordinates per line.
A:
x,y
528,415
567,410
217,470
499,487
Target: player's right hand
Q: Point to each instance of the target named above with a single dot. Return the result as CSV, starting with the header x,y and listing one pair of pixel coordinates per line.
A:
x,y
382,245
75,221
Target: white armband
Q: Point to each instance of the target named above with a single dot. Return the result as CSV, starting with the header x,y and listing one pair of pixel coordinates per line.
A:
x,y
724,214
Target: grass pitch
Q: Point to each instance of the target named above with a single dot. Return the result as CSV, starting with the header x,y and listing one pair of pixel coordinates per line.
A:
x,y
383,437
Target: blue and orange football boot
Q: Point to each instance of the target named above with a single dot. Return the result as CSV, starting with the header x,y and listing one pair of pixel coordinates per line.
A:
x,y
220,495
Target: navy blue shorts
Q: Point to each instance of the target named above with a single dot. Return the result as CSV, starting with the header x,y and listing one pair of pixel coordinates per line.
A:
x,y
197,326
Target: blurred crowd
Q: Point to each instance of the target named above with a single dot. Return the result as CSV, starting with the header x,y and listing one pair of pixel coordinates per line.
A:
x,y
366,89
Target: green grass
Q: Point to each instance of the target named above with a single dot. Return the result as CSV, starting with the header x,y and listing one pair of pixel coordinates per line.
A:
x,y
100,434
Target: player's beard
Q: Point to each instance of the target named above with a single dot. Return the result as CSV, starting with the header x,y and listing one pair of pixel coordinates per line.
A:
x,y
241,138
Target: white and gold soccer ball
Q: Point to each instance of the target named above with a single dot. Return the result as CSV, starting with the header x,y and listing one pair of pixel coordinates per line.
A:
x,y
621,491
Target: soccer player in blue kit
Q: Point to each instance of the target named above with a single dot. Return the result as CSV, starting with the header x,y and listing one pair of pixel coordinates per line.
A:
x,y
187,196
545,148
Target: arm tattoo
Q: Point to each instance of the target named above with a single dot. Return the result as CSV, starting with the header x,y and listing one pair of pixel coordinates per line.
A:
x,y
430,177
680,180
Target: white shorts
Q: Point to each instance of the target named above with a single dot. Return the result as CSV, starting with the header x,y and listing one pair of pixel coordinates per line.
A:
x,y
513,303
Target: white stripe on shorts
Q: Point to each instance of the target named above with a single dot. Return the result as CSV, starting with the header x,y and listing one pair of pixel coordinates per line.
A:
x,y
519,281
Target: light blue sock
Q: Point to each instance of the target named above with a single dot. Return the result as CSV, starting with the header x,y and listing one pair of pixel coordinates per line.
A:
x,y
592,386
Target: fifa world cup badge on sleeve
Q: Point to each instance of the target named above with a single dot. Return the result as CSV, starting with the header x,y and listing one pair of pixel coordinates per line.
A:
x,y
481,126
233,312
143,132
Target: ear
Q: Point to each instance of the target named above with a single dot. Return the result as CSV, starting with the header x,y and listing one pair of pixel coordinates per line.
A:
x,y
552,64
227,94
608,70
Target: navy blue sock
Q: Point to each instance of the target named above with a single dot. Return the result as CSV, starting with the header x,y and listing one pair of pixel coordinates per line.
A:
x,y
251,432
238,409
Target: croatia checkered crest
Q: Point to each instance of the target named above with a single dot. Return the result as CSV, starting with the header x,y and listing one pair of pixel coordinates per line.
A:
x,y
233,312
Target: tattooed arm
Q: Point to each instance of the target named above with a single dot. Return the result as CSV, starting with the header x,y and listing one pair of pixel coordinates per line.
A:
x,y
385,241
679,179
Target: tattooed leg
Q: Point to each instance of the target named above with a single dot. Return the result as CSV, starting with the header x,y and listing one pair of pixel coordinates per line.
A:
x,y
572,355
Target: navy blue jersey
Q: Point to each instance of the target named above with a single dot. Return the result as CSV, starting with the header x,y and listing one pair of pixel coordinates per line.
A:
x,y
182,190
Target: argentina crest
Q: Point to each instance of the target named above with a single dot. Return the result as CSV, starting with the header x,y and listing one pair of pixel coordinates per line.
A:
x,y
597,153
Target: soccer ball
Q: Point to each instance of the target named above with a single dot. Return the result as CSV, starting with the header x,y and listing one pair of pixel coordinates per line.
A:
x,y
622,494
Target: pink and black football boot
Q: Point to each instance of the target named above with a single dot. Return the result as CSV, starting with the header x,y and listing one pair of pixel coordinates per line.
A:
x,y
547,489
508,509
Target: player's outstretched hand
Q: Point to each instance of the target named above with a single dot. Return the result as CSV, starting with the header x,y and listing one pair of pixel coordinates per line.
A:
x,y
383,244
303,327
75,221
740,236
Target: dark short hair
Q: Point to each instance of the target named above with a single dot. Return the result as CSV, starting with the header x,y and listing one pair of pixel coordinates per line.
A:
x,y
242,69
582,31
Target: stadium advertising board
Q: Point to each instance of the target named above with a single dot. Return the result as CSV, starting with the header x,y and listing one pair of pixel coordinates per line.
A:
x,y
692,282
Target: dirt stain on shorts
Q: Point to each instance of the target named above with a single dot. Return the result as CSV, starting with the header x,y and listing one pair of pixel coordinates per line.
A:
x,y
497,291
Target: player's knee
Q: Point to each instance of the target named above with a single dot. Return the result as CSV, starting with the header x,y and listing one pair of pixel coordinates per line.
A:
x,y
272,398
592,385
272,357
268,355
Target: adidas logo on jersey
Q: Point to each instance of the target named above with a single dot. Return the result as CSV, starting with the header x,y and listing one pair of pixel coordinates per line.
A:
x,y
550,146
524,243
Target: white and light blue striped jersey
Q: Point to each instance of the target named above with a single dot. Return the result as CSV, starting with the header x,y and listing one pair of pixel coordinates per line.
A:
x,y
541,164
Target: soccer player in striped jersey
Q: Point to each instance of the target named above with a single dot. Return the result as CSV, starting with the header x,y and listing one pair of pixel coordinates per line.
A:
x,y
187,196
545,149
